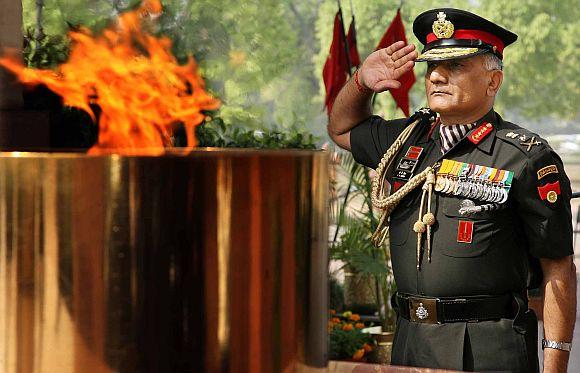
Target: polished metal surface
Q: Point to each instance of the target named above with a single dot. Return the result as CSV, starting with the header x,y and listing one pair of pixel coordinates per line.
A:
x,y
207,261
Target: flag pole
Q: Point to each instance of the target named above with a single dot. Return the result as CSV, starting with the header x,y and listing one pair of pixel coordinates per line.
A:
x,y
353,169
346,48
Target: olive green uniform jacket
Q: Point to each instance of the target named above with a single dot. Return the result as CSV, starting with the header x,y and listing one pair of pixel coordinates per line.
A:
x,y
502,256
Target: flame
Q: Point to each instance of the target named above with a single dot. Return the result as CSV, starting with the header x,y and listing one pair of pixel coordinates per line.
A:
x,y
134,79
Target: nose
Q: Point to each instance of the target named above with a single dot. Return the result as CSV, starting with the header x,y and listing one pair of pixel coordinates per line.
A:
x,y
437,75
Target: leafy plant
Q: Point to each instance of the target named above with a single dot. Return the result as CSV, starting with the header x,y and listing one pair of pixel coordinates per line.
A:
x,y
46,52
217,134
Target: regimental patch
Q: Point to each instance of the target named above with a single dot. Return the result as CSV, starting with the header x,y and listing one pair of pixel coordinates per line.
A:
x,y
465,231
414,152
481,133
549,192
397,185
551,169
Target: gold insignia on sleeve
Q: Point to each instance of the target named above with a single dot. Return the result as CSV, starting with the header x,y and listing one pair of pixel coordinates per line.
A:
x,y
551,169
552,196
443,28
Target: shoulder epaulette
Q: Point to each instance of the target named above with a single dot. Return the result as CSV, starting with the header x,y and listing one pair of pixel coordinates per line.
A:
x,y
425,115
526,141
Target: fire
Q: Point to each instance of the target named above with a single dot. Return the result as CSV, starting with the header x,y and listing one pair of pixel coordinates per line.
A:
x,y
133,78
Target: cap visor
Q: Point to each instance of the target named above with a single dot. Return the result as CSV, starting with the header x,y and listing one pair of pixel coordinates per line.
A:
x,y
442,54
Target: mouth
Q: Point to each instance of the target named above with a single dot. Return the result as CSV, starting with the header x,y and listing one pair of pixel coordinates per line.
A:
x,y
439,92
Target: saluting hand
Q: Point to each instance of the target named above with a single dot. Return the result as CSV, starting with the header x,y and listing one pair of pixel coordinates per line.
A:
x,y
382,69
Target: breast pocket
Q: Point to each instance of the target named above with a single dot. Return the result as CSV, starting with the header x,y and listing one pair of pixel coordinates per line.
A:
x,y
465,236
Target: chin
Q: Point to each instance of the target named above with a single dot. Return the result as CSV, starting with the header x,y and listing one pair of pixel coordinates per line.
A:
x,y
441,106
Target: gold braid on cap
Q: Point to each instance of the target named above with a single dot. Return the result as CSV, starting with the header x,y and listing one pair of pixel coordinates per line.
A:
x,y
381,200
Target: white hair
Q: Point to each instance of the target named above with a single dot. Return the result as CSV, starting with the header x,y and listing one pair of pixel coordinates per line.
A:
x,y
492,62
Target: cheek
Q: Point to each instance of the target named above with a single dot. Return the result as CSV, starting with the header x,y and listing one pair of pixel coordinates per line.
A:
x,y
467,90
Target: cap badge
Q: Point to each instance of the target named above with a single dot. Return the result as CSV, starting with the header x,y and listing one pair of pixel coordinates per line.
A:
x,y
442,28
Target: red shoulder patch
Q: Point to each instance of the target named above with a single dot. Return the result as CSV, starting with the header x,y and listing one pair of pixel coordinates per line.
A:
x,y
549,192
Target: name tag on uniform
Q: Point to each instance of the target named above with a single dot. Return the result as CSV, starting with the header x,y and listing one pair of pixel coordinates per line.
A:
x,y
465,231
406,167
403,175
407,164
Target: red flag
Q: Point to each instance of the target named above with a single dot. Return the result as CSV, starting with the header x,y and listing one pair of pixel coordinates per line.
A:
x,y
396,32
352,48
336,69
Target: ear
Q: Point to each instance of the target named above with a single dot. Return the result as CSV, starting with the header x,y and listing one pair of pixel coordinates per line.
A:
x,y
495,80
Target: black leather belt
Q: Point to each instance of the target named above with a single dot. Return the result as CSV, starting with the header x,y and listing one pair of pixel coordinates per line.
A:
x,y
445,310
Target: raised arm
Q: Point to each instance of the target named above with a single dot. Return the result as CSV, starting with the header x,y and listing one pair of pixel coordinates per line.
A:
x,y
379,72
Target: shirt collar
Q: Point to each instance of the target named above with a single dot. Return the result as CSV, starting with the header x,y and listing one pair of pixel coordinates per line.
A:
x,y
452,134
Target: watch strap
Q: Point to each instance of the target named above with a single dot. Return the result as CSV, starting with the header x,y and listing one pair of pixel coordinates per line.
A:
x,y
564,346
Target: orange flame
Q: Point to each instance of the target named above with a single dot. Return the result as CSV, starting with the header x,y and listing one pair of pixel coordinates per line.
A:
x,y
133,77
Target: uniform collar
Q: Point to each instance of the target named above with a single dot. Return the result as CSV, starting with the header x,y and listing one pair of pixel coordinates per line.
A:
x,y
485,144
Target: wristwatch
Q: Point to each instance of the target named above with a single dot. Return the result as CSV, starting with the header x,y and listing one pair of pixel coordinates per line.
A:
x,y
564,346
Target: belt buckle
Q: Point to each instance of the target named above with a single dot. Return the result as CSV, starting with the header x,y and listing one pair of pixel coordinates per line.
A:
x,y
423,310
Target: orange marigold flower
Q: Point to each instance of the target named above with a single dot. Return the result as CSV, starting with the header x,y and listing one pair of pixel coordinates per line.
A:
x,y
355,317
332,312
347,327
335,320
358,354
367,347
359,325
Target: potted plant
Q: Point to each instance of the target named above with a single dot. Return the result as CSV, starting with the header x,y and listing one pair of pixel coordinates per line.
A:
x,y
366,267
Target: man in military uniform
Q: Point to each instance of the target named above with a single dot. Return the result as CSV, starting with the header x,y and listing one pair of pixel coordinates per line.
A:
x,y
478,207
